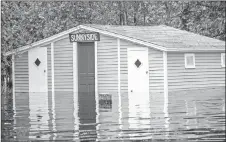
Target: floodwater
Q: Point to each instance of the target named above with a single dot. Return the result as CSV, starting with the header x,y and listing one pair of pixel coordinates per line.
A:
x,y
187,115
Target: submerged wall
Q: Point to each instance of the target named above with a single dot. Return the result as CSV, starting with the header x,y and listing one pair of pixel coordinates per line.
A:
x,y
21,72
207,73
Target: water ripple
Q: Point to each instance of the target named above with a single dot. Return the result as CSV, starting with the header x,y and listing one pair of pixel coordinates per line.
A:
x,y
186,116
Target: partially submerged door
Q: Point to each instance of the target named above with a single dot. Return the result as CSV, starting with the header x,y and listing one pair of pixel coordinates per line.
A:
x,y
86,68
38,69
138,86
86,87
138,73
38,95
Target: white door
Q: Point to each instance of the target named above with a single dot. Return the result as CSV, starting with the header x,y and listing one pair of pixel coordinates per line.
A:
x,y
138,87
38,69
38,92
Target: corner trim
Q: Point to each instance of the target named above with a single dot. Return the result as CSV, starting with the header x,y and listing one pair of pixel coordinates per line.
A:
x,y
96,75
119,84
165,80
47,73
119,67
75,67
53,88
13,81
52,66
75,87
96,88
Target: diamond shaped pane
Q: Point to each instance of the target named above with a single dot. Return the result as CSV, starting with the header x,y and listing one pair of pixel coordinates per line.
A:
x,y
37,62
137,63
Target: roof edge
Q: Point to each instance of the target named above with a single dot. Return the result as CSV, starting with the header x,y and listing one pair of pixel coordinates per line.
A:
x,y
32,45
131,39
105,32
86,27
194,51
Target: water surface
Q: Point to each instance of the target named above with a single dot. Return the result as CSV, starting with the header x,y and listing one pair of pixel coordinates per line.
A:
x,y
188,115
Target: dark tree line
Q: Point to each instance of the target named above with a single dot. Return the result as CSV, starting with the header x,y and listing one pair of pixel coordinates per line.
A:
x,y
27,22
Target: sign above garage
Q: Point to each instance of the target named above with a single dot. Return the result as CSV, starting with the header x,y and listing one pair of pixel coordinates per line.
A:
x,y
84,37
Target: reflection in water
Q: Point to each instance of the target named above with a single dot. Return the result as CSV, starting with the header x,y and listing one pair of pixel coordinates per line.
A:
x,y
76,119
193,115
38,115
53,113
166,116
87,116
139,111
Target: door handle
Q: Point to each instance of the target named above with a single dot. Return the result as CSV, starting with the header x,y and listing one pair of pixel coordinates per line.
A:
x,y
44,70
146,72
131,90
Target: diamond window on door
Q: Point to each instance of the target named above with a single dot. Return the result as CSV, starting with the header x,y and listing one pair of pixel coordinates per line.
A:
x,y
137,63
37,62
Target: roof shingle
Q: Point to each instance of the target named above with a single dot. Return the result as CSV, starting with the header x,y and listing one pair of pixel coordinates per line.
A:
x,y
164,36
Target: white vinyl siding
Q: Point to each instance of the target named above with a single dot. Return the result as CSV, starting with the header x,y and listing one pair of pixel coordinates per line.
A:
x,y
189,60
124,65
156,71
223,59
63,65
208,72
107,65
21,73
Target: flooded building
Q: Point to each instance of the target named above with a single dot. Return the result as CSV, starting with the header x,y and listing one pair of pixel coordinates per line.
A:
x,y
133,64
